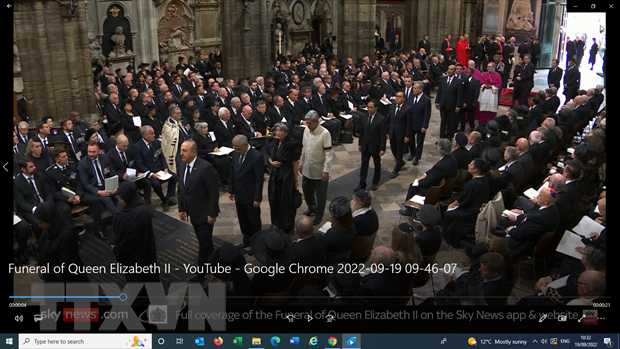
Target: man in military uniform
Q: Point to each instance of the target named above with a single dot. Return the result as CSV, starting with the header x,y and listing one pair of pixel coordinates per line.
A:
x,y
63,174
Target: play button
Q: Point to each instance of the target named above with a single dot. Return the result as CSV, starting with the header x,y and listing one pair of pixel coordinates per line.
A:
x,y
352,340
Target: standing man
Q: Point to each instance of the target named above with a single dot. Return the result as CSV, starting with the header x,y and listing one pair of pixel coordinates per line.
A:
x,y
425,44
399,125
371,143
245,186
446,50
508,53
470,100
198,199
315,164
572,76
526,80
554,77
580,45
448,99
421,115
571,49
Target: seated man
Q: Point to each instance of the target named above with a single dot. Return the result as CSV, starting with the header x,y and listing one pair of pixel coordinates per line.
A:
x,y
63,174
430,239
446,167
93,169
380,284
590,287
475,139
512,171
529,227
30,188
122,159
545,144
525,158
310,247
535,149
23,231
149,158
365,218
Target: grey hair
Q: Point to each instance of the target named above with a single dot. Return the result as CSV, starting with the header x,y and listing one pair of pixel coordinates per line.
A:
x,y
421,84
544,133
383,257
559,182
550,122
535,136
603,203
144,130
22,124
241,139
512,152
193,145
445,147
92,118
221,112
595,257
111,87
235,100
312,115
600,87
201,125
173,110
303,226
143,95
568,107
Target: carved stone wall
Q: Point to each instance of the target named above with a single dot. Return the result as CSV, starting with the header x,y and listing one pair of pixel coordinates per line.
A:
x,y
208,29
175,31
55,58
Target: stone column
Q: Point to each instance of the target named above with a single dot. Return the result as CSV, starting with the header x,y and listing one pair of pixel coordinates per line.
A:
x,y
435,18
55,58
245,38
145,44
358,34
208,32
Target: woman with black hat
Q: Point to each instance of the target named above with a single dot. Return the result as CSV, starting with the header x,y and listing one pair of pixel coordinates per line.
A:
x,y
126,119
151,119
135,238
340,238
430,239
194,116
272,247
238,284
91,135
58,245
190,102
494,177
406,250
462,213
284,156
494,133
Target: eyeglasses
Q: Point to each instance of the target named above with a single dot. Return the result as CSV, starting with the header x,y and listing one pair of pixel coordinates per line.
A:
x,y
581,283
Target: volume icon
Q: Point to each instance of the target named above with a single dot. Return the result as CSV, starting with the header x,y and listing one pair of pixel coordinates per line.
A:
x,y
19,318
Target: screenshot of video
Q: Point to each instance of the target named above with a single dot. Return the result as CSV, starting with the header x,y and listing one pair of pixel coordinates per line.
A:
x,y
198,173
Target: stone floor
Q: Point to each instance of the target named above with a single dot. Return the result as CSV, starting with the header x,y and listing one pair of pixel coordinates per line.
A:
x,y
389,197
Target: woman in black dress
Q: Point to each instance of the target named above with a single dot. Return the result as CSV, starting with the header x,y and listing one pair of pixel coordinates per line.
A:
x,y
340,238
593,52
238,284
151,120
91,135
194,117
284,156
462,213
34,152
58,245
206,145
126,119
211,115
516,94
494,177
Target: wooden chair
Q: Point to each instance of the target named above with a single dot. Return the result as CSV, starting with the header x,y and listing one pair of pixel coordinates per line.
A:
x,y
423,276
431,198
461,179
446,190
541,250
332,256
275,299
362,247
405,289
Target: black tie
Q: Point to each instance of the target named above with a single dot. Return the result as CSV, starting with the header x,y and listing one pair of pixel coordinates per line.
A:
x,y
397,110
45,145
408,92
415,101
449,81
99,174
15,150
35,189
179,88
124,159
148,145
187,169
370,120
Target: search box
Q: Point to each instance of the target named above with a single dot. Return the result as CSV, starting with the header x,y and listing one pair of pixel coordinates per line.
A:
x,y
84,341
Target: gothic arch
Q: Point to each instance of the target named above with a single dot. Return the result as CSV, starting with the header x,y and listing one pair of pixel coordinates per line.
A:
x,y
105,14
109,23
322,8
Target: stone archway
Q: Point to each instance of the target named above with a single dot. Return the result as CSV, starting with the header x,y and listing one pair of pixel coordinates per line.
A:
x,y
116,17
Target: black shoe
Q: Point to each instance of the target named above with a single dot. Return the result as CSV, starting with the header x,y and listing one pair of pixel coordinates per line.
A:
x,y
172,201
243,245
406,211
415,162
101,236
375,187
359,187
309,213
317,220
197,278
410,158
165,206
394,174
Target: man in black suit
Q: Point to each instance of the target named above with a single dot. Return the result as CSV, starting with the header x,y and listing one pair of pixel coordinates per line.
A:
x,y
571,49
525,158
246,126
224,129
29,190
554,78
66,135
396,45
528,228
536,115
475,140
149,158
545,143
93,169
553,101
122,158
421,114
448,100
23,135
44,137
19,150
425,44
580,46
320,104
535,149
512,171
371,143
572,173
245,186
399,125
379,43
526,80
572,78
216,72
259,117
386,85
378,288
112,110
310,246
470,100
177,88
445,168
198,199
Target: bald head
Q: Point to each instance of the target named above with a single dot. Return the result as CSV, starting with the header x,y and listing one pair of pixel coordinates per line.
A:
x,y
522,145
246,112
591,284
534,137
591,92
382,255
547,197
602,207
475,137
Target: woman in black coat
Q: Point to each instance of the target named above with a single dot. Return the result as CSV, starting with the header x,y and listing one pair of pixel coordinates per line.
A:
x,y
135,238
206,145
126,118
284,156
151,120
58,245
238,284
340,238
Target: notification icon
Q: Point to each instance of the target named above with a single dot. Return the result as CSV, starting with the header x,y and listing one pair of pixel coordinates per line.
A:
x,y
472,341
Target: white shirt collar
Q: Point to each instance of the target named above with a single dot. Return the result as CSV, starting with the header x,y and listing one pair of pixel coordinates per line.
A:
x,y
543,207
572,180
298,240
191,164
361,211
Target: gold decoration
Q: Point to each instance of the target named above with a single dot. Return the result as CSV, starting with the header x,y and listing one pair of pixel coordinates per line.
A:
x,y
173,10
115,11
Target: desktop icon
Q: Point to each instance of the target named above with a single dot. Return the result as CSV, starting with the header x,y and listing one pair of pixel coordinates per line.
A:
x,y
275,341
554,341
218,341
255,341
472,341
137,342
238,341
332,341
314,341
294,341
351,341
200,341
